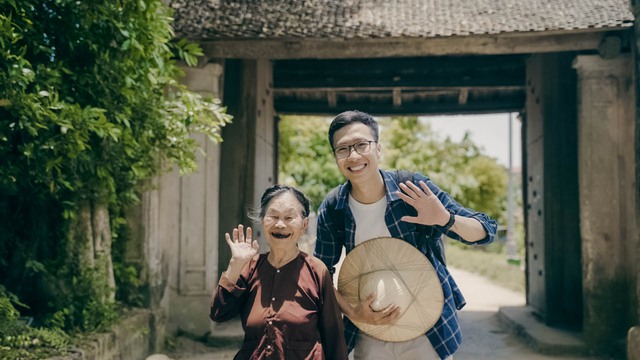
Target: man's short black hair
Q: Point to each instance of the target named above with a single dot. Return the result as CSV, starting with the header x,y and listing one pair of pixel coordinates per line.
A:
x,y
351,117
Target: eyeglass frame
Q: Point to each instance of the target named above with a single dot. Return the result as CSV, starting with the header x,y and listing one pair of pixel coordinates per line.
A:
x,y
353,146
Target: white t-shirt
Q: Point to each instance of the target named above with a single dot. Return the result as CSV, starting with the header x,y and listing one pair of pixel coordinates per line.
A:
x,y
370,224
369,219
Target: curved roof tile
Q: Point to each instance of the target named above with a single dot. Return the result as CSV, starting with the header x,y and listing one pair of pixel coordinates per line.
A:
x,y
282,19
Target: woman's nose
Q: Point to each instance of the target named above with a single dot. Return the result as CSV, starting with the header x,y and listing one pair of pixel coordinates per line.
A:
x,y
280,224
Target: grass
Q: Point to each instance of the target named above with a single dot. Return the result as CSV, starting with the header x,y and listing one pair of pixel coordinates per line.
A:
x,y
491,265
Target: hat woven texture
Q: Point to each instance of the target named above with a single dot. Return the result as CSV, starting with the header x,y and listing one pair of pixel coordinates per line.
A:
x,y
399,274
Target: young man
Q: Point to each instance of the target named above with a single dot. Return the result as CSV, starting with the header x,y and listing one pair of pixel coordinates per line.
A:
x,y
373,203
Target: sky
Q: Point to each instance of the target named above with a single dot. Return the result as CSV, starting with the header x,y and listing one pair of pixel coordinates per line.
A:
x,y
489,131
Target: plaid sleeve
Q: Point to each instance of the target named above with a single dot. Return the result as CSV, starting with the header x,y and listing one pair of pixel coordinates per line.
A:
x,y
490,226
328,247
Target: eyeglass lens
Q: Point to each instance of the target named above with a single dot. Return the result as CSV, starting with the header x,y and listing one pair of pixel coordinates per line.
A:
x,y
361,148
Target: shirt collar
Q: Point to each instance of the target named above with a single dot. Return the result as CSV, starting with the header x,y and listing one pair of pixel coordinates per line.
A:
x,y
391,185
391,188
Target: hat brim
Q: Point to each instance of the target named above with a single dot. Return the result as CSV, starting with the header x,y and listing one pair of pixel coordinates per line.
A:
x,y
413,270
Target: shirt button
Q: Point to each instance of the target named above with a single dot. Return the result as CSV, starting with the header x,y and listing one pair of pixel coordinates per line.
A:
x,y
268,346
270,322
273,299
278,270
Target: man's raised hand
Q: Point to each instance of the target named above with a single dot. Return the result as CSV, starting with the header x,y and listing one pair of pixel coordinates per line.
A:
x,y
429,207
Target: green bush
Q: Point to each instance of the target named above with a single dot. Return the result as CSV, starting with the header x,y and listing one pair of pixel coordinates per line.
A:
x,y
90,111
20,341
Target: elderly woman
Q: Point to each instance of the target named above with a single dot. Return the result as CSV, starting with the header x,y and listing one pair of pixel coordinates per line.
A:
x,y
284,297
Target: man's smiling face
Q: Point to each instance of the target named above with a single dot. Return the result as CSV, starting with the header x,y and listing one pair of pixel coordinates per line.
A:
x,y
357,167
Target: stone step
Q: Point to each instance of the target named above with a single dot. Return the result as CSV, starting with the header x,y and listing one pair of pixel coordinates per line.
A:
x,y
226,334
545,340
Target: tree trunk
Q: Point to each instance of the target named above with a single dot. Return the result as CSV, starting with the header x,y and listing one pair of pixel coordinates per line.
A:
x,y
90,243
102,244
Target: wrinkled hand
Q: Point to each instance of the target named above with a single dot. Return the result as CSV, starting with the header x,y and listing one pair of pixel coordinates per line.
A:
x,y
243,248
429,207
362,312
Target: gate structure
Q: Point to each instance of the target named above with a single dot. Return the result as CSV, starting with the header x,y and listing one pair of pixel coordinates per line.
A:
x,y
567,66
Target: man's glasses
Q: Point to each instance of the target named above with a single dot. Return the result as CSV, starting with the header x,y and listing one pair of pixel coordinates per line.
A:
x,y
361,148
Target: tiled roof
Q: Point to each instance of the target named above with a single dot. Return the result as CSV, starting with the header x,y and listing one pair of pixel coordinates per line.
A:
x,y
283,19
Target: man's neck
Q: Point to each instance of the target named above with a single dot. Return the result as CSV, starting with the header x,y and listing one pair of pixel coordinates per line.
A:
x,y
369,190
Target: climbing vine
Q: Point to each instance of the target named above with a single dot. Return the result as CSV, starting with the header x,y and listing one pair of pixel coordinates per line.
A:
x,y
90,110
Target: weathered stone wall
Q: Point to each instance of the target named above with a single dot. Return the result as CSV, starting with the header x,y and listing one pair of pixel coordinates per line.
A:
x,y
607,197
129,339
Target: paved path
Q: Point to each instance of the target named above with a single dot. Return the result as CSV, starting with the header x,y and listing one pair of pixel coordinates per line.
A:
x,y
484,337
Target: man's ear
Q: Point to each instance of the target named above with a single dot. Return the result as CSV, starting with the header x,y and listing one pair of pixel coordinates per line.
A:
x,y
379,150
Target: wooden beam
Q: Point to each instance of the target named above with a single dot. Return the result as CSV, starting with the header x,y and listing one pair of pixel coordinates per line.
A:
x,y
397,98
308,48
463,96
447,89
442,71
415,82
306,108
396,66
435,90
332,99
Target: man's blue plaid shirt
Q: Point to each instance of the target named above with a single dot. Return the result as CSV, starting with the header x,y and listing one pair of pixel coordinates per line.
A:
x,y
445,335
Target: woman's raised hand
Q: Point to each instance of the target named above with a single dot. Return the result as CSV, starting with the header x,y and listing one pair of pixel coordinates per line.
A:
x,y
243,248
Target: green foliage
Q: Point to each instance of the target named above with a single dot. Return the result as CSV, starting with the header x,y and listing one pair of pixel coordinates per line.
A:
x,y
18,340
305,157
459,168
90,110
77,301
87,94
488,192
33,343
8,313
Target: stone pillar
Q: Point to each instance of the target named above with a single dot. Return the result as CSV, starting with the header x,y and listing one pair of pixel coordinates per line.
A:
x,y
607,168
144,251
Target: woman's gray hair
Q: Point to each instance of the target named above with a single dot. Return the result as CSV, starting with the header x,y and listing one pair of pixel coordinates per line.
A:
x,y
274,191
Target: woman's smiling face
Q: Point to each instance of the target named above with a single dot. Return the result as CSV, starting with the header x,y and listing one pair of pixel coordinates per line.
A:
x,y
283,223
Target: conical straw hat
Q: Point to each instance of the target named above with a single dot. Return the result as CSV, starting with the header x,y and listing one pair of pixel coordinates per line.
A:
x,y
399,274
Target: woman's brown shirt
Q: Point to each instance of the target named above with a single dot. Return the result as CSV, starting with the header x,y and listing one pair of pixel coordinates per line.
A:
x,y
287,313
